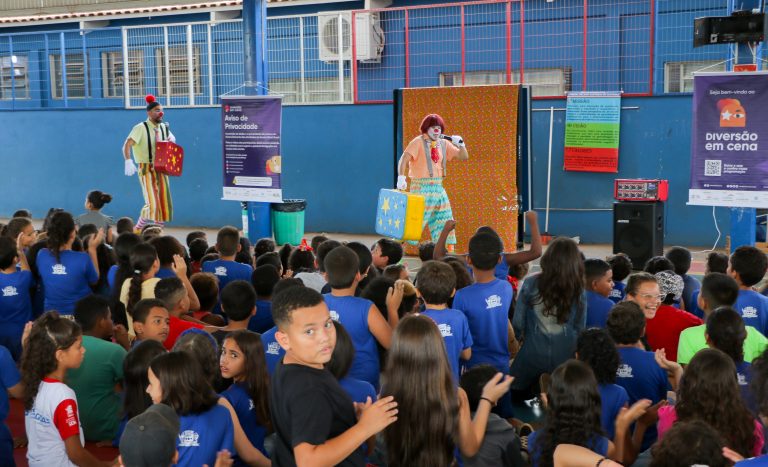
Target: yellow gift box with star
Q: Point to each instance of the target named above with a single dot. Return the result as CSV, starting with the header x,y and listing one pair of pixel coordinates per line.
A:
x,y
400,214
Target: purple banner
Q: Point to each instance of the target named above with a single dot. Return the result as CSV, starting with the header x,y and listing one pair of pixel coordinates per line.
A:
x,y
251,140
729,151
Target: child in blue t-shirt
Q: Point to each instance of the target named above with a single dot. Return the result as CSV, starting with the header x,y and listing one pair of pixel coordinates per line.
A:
x,y
640,372
726,332
486,303
226,269
599,281
747,265
359,316
435,282
242,360
574,417
177,380
10,383
681,260
596,348
67,275
15,298
263,279
621,267
273,352
341,361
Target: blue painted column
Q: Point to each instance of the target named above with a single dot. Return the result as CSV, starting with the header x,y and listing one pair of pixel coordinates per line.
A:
x,y
743,220
256,82
255,46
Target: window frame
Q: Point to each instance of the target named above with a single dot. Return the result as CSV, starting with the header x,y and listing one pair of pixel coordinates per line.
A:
x,y
22,62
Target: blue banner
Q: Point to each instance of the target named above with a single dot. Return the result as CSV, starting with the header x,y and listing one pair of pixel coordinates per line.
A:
x,y
251,141
729,151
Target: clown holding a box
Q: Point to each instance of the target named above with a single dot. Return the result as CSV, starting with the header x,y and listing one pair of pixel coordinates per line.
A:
x,y
424,162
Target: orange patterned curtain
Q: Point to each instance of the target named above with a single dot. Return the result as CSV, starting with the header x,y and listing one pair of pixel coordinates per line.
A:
x,y
483,190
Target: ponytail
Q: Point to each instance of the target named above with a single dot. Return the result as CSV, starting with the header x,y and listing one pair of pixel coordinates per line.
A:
x,y
124,246
143,257
60,229
134,292
50,333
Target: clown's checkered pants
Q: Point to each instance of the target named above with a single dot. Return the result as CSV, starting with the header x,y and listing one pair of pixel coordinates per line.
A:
x,y
437,208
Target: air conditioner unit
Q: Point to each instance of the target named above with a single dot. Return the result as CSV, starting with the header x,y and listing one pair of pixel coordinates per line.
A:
x,y
369,36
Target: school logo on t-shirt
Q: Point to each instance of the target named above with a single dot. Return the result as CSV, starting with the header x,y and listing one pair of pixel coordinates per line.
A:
x,y
188,439
250,404
70,412
624,371
493,301
742,379
220,271
749,312
445,330
273,348
615,293
334,315
10,291
59,270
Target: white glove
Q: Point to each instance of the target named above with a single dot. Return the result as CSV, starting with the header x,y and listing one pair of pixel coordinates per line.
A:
x,y
458,141
171,138
402,184
130,168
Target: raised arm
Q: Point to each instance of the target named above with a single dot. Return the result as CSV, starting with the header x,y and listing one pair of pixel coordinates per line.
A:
x,y
472,432
180,269
93,244
532,253
441,251
375,417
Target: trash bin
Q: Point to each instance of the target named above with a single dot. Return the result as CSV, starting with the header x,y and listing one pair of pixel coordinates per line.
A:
x,y
257,221
288,221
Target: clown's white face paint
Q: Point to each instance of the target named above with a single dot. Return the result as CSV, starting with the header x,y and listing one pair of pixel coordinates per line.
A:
x,y
434,132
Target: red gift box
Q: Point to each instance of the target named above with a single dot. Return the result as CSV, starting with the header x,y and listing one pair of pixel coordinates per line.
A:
x,y
169,158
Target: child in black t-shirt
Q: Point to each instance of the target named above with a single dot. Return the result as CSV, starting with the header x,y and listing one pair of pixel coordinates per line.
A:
x,y
314,418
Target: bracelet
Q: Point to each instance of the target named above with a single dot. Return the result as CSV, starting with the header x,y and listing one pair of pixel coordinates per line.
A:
x,y
493,404
599,462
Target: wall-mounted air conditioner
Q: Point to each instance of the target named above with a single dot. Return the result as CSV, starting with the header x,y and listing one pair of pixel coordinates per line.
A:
x,y
369,35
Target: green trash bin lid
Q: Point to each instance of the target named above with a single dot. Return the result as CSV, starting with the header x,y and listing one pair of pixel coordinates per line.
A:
x,y
290,205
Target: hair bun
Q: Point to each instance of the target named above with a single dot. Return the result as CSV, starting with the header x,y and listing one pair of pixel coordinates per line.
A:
x,y
150,98
106,198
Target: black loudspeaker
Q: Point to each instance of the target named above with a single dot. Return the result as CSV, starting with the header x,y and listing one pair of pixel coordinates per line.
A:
x,y
638,230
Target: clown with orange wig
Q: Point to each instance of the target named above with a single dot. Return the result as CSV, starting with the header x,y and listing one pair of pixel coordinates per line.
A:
x,y
158,207
424,161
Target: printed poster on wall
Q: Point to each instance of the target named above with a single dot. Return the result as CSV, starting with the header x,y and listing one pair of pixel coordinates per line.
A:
x,y
592,123
729,151
251,140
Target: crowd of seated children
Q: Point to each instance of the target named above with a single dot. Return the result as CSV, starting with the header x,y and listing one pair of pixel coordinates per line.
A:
x,y
377,365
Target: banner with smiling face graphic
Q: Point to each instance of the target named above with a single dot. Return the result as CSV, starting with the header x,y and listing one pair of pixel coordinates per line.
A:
x,y
729,151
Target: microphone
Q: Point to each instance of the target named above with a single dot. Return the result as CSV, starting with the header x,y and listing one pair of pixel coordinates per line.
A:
x,y
449,138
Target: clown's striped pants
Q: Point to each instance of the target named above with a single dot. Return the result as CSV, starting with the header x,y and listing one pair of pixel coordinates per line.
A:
x,y
437,209
158,206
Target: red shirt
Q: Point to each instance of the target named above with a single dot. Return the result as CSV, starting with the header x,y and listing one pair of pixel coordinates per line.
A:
x,y
663,331
175,327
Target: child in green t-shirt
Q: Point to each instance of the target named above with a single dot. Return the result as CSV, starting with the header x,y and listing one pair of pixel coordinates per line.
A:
x,y
95,380
717,290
